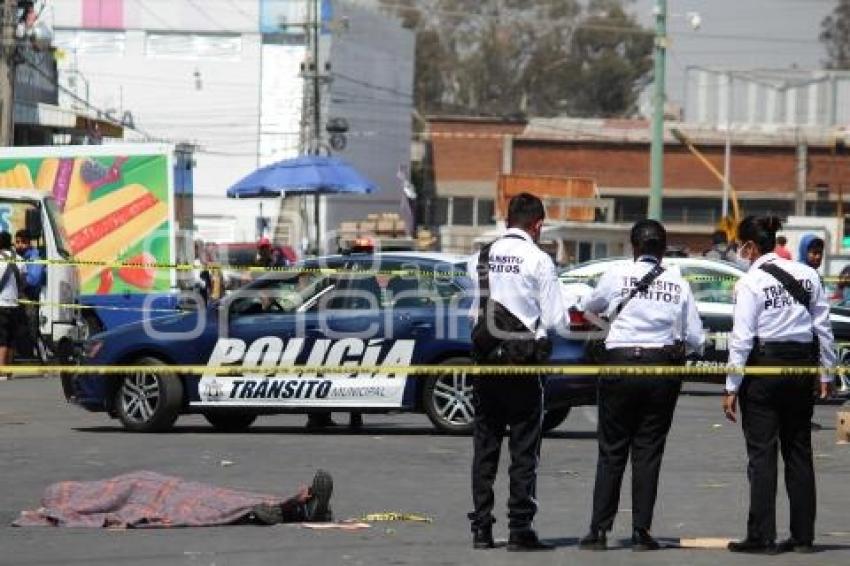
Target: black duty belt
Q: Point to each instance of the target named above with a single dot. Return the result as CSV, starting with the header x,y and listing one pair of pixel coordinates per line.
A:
x,y
784,350
665,354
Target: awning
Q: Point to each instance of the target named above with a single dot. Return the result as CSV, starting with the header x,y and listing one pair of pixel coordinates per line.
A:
x,y
52,116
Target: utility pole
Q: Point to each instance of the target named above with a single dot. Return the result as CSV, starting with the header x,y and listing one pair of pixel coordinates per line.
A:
x,y
656,167
8,21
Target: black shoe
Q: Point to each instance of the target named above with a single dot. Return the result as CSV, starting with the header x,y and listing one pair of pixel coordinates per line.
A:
x,y
317,508
793,545
594,540
316,421
526,541
482,538
642,540
754,546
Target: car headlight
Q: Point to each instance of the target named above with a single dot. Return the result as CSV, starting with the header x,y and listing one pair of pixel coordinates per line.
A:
x,y
92,348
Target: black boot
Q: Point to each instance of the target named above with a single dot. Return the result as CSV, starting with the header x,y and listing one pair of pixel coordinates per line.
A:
x,y
594,540
482,537
526,541
642,540
753,546
317,508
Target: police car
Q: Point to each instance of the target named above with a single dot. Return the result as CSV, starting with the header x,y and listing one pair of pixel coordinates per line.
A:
x,y
357,310
712,283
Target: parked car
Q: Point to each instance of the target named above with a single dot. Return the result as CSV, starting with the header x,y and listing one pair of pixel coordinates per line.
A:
x,y
393,309
712,283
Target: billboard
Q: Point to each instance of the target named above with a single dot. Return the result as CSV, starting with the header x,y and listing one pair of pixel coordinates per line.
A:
x,y
115,208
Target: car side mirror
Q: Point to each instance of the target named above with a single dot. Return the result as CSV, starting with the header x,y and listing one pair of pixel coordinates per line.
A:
x,y
32,223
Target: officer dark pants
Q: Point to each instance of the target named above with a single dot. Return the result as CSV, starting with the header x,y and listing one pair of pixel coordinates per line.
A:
x,y
635,414
513,404
776,414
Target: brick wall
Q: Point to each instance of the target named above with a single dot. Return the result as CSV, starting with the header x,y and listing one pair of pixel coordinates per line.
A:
x,y
761,169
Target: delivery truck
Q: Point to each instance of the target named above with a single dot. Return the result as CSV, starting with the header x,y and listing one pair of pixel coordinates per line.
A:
x,y
115,206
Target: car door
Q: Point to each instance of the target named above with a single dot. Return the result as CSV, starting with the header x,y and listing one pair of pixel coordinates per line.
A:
x,y
713,289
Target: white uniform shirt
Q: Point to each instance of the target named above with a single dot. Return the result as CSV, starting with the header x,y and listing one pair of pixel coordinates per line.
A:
x,y
9,293
523,280
764,309
659,317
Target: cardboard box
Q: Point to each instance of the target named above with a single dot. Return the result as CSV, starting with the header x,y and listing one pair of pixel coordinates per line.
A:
x,y
842,427
367,227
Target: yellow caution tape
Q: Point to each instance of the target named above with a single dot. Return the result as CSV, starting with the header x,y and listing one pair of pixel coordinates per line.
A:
x,y
78,306
425,370
388,516
323,270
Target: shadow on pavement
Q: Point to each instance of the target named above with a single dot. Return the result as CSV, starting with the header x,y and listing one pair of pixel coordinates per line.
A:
x,y
343,430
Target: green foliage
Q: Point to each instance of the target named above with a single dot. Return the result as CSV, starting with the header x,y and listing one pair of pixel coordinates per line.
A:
x,y
534,57
835,35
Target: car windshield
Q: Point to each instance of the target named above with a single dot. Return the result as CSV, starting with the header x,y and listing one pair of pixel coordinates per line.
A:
x,y
278,293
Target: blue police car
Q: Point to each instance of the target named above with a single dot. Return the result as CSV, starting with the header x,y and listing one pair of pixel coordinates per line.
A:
x,y
357,310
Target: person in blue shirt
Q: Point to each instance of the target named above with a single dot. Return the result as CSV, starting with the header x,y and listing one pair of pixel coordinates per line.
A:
x,y
33,277
34,273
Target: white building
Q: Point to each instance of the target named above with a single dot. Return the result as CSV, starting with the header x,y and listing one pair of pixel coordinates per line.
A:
x,y
225,75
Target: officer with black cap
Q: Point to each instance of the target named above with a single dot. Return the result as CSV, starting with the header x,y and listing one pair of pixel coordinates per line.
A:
x,y
781,319
518,298
653,321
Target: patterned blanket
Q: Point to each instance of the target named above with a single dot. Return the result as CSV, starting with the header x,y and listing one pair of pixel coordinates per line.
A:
x,y
143,499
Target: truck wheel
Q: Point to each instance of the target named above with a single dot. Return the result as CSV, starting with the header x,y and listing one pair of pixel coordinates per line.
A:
x,y
147,401
447,399
225,422
553,418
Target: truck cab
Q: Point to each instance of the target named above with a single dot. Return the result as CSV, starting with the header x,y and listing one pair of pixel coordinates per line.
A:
x,y
59,321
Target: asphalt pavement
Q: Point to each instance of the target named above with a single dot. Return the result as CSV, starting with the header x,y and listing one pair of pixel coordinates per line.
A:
x,y
396,463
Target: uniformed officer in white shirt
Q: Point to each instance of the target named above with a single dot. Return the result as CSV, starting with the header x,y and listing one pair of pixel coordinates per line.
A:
x,y
781,319
524,299
653,321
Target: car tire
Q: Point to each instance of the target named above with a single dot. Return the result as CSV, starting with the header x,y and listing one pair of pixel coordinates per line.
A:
x,y
447,399
553,418
225,422
148,401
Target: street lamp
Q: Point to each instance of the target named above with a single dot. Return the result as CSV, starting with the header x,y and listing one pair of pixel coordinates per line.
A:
x,y
656,152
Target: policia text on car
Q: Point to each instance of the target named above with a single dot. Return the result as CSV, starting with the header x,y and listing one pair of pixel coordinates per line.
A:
x,y
653,321
517,300
781,318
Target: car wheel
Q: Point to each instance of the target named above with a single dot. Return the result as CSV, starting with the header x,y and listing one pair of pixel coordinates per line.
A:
x,y
225,422
447,399
147,401
553,418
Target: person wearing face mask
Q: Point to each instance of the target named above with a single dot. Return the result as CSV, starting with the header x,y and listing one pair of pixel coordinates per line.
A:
x,y
781,318
653,320
516,299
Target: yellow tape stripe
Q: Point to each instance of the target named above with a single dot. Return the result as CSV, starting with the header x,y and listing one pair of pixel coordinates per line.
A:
x,y
424,370
321,270
78,306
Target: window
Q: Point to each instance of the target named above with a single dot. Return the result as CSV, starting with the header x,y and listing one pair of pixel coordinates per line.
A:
x,y
279,293
486,212
462,211
91,42
709,285
103,14
196,46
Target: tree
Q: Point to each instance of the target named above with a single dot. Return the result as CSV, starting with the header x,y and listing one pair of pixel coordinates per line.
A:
x,y
536,57
835,35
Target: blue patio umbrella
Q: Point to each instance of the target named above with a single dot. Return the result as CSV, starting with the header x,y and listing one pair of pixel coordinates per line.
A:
x,y
304,175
